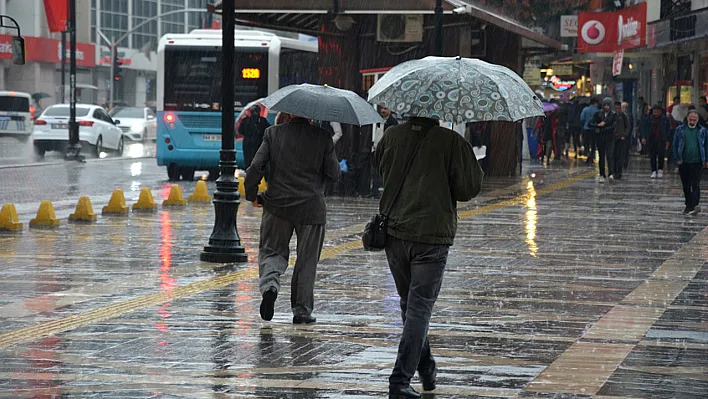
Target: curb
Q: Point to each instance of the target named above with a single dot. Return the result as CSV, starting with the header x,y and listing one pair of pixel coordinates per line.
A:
x,y
54,163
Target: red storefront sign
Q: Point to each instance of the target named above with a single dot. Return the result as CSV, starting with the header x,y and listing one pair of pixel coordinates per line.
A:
x,y
57,12
606,32
40,49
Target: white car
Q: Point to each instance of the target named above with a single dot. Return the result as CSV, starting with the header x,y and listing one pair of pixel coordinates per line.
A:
x,y
138,124
97,130
15,115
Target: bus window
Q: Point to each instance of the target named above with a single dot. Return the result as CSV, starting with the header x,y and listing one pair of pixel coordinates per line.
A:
x,y
193,78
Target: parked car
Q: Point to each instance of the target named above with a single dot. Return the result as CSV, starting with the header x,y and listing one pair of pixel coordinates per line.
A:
x,y
137,123
97,130
15,115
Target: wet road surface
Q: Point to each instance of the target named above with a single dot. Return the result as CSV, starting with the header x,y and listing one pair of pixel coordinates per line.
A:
x,y
557,287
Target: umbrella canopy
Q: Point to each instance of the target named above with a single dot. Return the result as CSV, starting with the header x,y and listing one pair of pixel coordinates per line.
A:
x,y
679,112
38,96
550,107
323,103
456,89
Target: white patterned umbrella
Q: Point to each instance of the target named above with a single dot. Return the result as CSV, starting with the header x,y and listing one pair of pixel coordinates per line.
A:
x,y
455,89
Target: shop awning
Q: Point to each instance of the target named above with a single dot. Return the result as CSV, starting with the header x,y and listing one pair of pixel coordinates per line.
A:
x,y
296,17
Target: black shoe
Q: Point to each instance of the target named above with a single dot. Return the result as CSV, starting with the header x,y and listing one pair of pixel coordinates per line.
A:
x,y
686,210
268,304
304,320
402,393
428,381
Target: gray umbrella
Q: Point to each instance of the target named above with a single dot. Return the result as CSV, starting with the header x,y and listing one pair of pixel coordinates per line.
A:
x,y
323,103
455,89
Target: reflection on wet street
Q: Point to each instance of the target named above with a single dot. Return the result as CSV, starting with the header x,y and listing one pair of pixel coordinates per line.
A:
x,y
557,287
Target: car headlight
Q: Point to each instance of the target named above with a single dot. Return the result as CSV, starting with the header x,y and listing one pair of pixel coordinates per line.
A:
x,y
137,128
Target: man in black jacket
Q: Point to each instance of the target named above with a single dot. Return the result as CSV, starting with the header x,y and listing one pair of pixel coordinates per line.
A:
x,y
252,128
621,138
604,123
300,158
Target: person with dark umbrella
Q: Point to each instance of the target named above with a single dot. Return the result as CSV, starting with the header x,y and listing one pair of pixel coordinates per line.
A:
x,y
252,128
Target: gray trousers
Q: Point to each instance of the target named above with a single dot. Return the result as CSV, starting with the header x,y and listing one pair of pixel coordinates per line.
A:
x,y
274,254
417,270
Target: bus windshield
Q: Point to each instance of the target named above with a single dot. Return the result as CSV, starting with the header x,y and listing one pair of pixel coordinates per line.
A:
x,y
193,77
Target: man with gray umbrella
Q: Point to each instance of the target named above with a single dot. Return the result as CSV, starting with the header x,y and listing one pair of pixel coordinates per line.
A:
x,y
300,158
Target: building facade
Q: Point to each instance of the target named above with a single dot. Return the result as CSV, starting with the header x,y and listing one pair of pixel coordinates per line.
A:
x,y
112,19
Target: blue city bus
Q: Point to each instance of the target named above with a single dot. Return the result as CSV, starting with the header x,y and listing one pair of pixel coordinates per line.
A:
x,y
189,91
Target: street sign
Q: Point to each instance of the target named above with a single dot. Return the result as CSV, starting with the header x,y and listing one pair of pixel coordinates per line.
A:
x,y
562,69
532,75
617,62
569,26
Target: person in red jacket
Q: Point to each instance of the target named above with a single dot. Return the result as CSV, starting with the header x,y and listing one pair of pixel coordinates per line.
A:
x,y
546,128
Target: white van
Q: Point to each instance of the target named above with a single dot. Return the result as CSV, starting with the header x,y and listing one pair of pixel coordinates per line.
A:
x,y
15,115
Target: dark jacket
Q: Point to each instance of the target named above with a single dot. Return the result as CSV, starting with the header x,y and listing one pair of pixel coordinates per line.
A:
x,y
680,142
252,128
623,127
610,122
300,158
631,122
444,172
664,127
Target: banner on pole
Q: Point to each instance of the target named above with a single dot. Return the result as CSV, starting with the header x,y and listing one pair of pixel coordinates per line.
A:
x,y
57,12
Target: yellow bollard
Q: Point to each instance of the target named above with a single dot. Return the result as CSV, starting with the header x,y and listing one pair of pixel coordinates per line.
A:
x,y
45,216
8,218
175,198
116,205
145,201
84,211
201,194
262,187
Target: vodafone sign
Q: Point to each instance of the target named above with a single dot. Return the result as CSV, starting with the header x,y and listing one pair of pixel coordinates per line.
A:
x,y
607,32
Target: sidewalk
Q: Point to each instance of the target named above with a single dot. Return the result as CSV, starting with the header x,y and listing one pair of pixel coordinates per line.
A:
x,y
556,284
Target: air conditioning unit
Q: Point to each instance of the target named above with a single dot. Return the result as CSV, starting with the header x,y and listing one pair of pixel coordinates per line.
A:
x,y
400,28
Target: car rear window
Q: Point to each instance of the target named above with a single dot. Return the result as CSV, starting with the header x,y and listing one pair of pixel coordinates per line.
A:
x,y
64,111
14,104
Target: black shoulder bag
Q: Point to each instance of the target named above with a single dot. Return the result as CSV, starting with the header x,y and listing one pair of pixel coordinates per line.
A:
x,y
376,231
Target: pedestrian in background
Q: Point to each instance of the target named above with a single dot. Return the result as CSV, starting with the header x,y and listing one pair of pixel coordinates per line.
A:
x,y
604,123
622,134
575,126
655,136
421,227
389,121
547,136
252,128
690,148
628,142
300,158
589,136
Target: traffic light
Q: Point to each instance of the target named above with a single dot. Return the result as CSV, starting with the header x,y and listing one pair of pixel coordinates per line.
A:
x,y
116,65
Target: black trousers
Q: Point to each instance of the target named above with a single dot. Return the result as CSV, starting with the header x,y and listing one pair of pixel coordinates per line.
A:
x,y
691,179
606,149
417,270
590,143
657,154
618,158
627,148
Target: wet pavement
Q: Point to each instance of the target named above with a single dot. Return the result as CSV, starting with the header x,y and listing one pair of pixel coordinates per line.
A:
x,y
557,287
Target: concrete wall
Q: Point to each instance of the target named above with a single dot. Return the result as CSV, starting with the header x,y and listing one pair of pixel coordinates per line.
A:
x,y
698,4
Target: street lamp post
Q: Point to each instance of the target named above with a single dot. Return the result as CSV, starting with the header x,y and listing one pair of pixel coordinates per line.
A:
x,y
225,244
73,149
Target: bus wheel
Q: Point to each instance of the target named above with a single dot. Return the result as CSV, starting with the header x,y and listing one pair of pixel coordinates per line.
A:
x,y
187,174
173,172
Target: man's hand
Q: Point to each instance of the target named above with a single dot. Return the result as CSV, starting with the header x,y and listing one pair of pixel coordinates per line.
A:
x,y
667,145
705,165
621,138
678,163
644,141
601,124
256,204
